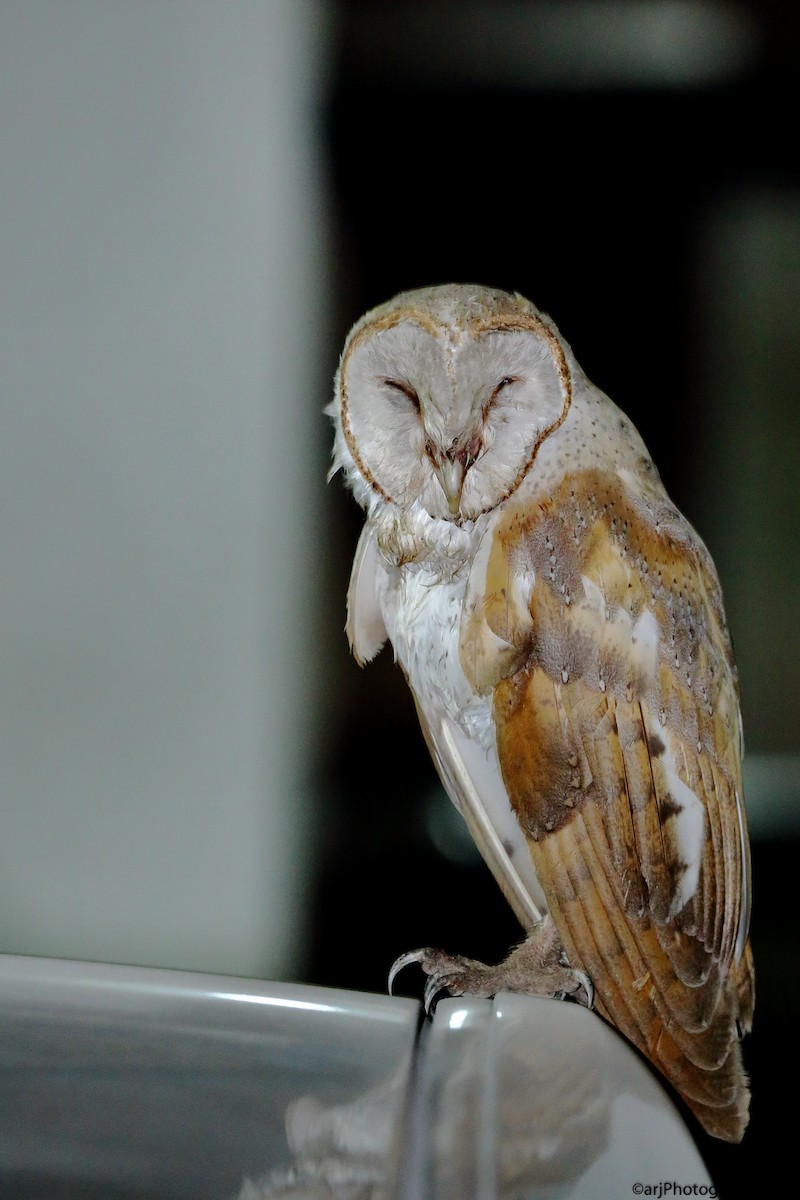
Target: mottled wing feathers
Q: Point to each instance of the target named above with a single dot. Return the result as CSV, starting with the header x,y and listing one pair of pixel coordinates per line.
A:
x,y
595,617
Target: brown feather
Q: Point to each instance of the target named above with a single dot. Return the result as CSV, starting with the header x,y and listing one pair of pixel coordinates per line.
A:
x,y
619,748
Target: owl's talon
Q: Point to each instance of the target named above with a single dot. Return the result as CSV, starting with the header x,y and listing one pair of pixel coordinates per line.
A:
x,y
442,972
583,983
437,983
405,960
433,985
588,987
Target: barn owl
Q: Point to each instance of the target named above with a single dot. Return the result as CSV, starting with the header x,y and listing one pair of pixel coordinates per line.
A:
x,y
561,628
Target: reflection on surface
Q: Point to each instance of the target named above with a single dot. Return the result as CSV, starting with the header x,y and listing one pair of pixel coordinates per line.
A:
x,y
513,1099
342,1152
553,1104
518,1105
501,1109
120,1082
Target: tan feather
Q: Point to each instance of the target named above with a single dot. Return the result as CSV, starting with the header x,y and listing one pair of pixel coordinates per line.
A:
x,y
614,759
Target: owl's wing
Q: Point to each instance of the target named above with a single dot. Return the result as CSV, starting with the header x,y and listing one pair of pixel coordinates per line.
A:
x,y
619,741
472,781
365,629
469,775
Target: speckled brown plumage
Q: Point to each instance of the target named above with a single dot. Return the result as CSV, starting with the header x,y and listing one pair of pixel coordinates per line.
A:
x,y
582,726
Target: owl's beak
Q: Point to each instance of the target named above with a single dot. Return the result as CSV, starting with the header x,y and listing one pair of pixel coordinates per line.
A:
x,y
450,473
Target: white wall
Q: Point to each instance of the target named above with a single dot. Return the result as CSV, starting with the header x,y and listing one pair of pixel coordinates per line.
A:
x,y
161,278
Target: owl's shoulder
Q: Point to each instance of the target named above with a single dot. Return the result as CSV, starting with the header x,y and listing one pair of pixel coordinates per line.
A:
x,y
571,568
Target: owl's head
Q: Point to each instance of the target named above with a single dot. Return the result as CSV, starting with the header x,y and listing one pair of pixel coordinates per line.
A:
x,y
443,397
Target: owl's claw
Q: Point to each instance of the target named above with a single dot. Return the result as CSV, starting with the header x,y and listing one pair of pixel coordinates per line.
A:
x,y
400,964
433,985
446,973
539,966
443,971
582,982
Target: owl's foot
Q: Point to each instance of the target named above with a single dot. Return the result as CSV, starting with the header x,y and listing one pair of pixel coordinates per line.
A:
x,y
538,967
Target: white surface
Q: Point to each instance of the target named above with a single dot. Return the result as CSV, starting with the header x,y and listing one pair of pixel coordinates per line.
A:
x,y
121,1083
540,1098
161,242
118,1082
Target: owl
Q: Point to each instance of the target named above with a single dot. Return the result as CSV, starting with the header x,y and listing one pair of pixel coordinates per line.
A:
x,y
561,627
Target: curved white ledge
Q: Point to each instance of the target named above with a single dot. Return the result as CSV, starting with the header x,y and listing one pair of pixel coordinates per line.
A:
x,y
127,1082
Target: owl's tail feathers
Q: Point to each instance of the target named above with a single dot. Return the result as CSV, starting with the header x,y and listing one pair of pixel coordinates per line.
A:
x,y
727,1115
715,1088
704,1064
719,1097
690,1029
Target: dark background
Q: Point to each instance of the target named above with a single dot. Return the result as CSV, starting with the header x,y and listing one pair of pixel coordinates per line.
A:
x,y
599,200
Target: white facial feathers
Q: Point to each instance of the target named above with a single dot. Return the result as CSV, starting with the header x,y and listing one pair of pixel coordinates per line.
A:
x,y
447,412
